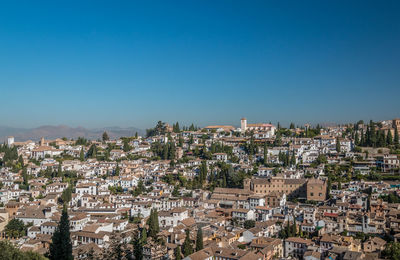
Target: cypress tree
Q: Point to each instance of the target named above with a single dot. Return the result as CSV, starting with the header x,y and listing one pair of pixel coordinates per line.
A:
x,y
143,236
373,134
294,228
137,248
187,247
82,155
94,151
165,152
25,178
203,171
153,224
362,140
367,137
396,137
293,159
381,139
288,229
156,224
126,147
177,253
356,139
105,136
265,153
199,240
286,158
61,246
337,145
117,170
389,138
171,152
59,171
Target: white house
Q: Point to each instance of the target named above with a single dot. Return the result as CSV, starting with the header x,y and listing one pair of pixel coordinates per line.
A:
x,y
86,188
173,217
243,214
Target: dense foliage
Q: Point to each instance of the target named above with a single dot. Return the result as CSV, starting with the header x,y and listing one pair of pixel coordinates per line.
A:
x,y
9,252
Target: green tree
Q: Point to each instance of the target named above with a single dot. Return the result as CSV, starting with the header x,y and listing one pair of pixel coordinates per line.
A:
x,y
15,228
165,152
92,152
396,137
249,224
126,147
82,155
25,177
139,188
176,128
66,195
9,252
203,172
138,248
81,141
117,170
392,251
373,134
59,171
389,138
175,192
61,246
153,225
105,136
293,159
337,145
171,151
159,129
293,229
356,139
177,253
143,236
381,139
265,153
199,240
362,139
187,246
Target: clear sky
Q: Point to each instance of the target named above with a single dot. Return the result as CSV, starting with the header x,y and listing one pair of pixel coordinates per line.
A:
x,y
132,63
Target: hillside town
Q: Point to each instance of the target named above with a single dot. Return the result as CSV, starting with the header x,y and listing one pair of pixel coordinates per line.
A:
x,y
255,191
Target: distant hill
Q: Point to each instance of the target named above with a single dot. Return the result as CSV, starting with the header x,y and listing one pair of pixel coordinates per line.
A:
x,y
52,132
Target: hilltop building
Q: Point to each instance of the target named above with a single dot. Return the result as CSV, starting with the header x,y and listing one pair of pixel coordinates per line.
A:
x,y
259,127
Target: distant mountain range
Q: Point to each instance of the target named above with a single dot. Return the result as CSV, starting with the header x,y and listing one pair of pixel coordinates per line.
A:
x,y
53,132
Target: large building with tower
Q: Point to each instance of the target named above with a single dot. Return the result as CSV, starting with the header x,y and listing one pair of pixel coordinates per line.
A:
x,y
259,127
10,140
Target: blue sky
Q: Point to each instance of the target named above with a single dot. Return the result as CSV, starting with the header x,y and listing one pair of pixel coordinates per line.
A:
x,y
132,63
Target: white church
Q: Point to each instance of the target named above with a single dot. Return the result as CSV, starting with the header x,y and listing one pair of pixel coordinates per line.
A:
x,y
261,130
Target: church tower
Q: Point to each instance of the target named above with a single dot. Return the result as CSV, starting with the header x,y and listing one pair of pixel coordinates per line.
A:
x,y
243,124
